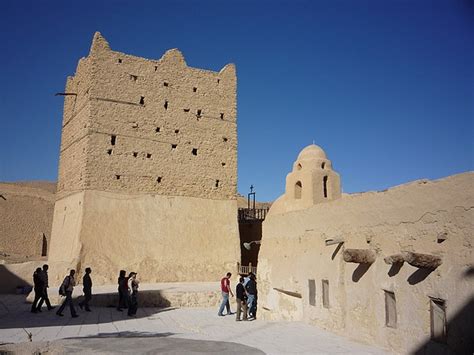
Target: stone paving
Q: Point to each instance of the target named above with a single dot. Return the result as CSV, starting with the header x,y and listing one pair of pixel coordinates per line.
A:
x,y
163,330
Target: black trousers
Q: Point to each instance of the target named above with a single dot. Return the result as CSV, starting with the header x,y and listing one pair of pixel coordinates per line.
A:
x,y
45,299
122,303
67,301
132,304
87,298
38,295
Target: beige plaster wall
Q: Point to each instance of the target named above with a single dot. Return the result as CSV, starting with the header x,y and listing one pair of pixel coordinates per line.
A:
x,y
404,218
26,211
163,238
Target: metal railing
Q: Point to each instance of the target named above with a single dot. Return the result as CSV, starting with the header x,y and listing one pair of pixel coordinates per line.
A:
x,y
252,214
246,269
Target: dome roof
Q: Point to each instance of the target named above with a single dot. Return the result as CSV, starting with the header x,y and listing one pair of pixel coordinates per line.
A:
x,y
312,152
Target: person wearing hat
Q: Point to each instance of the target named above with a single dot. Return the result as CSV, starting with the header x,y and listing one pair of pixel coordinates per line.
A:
x,y
132,284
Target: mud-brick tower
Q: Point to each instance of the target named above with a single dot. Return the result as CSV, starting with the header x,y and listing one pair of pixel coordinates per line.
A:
x,y
148,169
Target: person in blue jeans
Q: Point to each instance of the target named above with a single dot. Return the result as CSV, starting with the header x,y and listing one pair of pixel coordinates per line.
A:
x,y
251,289
225,289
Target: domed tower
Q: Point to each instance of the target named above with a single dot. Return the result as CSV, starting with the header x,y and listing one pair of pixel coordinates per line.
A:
x,y
312,181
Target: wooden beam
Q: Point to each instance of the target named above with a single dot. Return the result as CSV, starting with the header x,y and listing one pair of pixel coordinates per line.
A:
x,y
359,256
289,293
426,261
331,241
394,259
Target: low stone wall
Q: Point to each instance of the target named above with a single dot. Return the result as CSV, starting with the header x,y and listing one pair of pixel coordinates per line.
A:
x,y
150,295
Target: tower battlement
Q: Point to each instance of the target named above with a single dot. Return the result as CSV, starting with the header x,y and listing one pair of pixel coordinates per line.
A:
x,y
138,125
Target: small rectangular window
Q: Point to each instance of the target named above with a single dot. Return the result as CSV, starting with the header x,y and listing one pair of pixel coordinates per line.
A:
x,y
113,139
325,293
312,292
148,155
174,146
165,84
438,319
158,179
390,309
166,105
222,116
142,100
195,151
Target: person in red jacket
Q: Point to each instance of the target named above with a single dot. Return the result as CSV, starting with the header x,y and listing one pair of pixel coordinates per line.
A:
x,y
225,289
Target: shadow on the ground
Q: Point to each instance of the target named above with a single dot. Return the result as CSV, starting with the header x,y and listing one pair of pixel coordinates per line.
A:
x,y
18,314
126,334
148,344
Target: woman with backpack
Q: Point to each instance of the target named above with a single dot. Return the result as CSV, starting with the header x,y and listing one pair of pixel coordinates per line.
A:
x,y
66,290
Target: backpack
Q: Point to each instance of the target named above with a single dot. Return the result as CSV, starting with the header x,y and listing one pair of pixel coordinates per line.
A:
x,y
62,288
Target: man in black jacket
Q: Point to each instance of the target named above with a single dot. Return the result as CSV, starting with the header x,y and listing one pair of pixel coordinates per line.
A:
x,y
251,288
87,289
44,296
241,299
38,286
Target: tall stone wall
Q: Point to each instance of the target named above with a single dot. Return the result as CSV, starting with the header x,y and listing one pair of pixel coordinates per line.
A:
x,y
434,218
148,169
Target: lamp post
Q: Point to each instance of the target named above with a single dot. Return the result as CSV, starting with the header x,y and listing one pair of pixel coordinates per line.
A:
x,y
248,245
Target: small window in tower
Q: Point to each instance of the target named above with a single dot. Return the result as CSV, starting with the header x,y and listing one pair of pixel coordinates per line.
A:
x,y
323,165
156,67
117,177
299,166
113,139
135,154
298,188
176,131
198,113
312,292
326,293
195,89
218,81
186,109
148,155
166,105
224,139
174,146
133,77
109,151
158,129
120,60
217,183
195,151
223,164
158,179
438,319
325,186
222,116
165,84
390,309
142,100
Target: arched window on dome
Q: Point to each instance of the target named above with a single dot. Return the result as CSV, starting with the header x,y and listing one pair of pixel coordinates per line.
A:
x,y
298,188
325,186
323,165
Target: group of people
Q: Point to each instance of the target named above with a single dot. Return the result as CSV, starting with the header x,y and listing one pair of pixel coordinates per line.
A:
x,y
245,294
41,285
128,292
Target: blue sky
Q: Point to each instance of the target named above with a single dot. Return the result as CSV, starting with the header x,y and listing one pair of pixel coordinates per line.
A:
x,y
386,88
